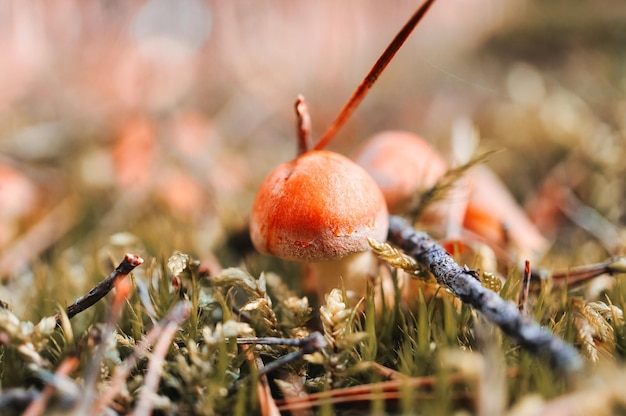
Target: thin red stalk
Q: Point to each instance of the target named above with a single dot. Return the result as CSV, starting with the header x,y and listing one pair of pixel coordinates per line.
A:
x,y
365,392
177,316
38,406
267,404
155,368
371,77
523,294
303,126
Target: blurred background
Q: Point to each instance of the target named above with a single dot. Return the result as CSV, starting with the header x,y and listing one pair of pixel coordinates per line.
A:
x,y
150,124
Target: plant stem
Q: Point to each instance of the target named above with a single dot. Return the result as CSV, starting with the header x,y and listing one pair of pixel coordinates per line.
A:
x,y
462,283
525,289
303,125
371,77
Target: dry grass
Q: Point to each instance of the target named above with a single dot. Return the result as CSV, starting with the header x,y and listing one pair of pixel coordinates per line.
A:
x,y
121,131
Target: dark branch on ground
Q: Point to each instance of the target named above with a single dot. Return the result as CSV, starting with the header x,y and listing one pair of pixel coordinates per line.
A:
x,y
462,283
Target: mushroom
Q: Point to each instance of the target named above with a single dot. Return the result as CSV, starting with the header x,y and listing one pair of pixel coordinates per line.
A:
x,y
494,214
320,208
402,163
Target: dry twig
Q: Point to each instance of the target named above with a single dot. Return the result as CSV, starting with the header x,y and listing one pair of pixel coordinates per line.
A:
x,y
102,338
101,289
308,345
575,276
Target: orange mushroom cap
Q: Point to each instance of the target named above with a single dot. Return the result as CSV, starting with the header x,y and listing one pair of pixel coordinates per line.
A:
x,y
493,213
318,207
402,163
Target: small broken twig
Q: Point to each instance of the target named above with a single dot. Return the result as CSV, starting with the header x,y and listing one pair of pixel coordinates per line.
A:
x,y
523,293
101,337
308,345
155,369
101,289
16,399
461,282
576,276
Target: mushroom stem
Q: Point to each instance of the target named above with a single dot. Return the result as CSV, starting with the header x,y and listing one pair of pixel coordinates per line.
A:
x,y
350,272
